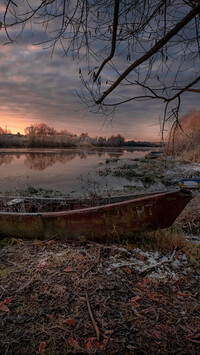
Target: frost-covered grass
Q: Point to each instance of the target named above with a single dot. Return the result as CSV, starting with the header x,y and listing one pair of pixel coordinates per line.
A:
x,y
170,240
147,174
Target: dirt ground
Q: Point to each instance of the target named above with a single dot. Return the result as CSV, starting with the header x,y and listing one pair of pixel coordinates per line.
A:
x,y
88,298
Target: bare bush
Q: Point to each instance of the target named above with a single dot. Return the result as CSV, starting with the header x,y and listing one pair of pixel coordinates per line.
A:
x,y
185,140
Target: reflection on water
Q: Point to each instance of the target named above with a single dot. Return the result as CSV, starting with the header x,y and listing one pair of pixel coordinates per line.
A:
x,y
40,161
57,170
6,159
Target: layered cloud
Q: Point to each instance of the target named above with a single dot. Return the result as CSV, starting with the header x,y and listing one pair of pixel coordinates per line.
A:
x,y
38,87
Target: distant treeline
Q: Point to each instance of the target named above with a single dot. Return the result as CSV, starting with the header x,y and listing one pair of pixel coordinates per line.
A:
x,y
43,136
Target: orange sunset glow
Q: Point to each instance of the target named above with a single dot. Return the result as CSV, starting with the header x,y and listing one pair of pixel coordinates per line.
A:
x,y
38,86
18,124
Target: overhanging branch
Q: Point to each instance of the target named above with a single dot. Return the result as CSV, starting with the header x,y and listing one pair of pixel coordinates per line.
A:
x,y
152,51
114,35
186,88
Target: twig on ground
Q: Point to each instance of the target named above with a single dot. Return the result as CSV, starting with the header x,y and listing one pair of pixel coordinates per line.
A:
x,y
3,289
153,267
117,265
92,318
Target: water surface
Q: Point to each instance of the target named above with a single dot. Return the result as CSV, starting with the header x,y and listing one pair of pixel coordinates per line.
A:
x,y
68,171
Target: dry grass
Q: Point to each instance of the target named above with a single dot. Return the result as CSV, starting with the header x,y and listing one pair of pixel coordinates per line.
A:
x,y
184,139
192,155
169,240
65,298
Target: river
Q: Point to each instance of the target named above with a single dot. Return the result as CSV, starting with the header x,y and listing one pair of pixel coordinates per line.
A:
x,y
68,171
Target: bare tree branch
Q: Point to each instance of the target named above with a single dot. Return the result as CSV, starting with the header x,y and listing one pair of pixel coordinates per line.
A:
x,y
114,33
152,51
186,88
158,39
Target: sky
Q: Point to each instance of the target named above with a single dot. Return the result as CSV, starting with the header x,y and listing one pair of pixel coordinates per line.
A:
x,y
36,87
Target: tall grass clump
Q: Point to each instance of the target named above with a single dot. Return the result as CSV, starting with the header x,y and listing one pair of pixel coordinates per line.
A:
x,y
167,241
184,140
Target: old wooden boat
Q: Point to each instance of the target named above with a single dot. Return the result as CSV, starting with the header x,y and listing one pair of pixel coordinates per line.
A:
x,y
117,217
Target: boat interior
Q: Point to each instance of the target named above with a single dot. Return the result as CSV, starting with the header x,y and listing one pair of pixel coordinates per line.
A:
x,y
39,205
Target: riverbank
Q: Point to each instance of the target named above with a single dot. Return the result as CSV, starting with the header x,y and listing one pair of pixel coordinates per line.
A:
x,y
137,297
85,298
151,174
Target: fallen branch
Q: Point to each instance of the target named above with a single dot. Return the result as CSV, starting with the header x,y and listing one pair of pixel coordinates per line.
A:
x,y
118,265
153,267
92,318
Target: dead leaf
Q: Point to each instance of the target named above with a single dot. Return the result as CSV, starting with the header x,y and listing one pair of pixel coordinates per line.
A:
x,y
73,343
127,270
51,242
42,347
134,301
70,321
69,269
7,300
3,307
154,296
109,332
102,345
89,343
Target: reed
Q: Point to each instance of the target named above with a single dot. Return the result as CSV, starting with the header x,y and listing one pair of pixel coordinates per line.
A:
x,y
184,139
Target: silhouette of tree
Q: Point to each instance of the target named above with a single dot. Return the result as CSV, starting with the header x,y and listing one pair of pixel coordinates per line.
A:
x,y
116,141
40,129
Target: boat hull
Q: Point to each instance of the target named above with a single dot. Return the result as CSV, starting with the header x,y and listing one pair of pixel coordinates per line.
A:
x,y
111,221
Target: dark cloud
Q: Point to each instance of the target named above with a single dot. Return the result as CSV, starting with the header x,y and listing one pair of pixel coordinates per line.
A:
x,y
37,88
